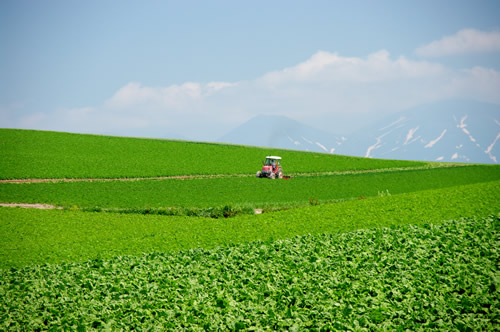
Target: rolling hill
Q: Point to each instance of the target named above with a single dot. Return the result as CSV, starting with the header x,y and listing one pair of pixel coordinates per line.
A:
x,y
42,154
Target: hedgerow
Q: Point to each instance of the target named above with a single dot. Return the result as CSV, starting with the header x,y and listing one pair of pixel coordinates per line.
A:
x,y
426,277
225,211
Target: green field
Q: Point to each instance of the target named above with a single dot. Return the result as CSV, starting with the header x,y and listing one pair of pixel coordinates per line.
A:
x,y
52,155
347,243
403,278
67,234
240,191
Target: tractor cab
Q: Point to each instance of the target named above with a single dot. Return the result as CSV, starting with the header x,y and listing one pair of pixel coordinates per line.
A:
x,y
271,168
272,161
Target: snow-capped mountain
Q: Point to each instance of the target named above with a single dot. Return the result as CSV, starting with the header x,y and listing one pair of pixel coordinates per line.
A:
x,y
283,132
458,131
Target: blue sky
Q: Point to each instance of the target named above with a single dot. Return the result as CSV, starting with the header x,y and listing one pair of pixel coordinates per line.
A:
x,y
197,69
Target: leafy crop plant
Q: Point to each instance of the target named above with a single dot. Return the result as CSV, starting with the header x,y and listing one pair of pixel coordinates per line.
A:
x,y
429,277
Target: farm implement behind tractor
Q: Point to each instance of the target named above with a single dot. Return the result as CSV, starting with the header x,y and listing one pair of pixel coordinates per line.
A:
x,y
271,168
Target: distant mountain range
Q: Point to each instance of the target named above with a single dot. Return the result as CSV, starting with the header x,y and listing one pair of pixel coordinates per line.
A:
x,y
282,132
459,131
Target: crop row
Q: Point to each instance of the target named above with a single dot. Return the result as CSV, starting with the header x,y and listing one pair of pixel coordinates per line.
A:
x,y
238,192
40,154
31,236
440,277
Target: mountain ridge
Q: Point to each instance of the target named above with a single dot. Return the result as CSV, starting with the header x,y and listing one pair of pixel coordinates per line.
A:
x,y
282,132
452,131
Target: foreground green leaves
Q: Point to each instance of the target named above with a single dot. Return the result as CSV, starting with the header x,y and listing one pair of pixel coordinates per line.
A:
x,y
427,277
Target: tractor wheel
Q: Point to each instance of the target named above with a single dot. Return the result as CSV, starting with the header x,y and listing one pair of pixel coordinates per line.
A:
x,y
259,174
280,175
272,176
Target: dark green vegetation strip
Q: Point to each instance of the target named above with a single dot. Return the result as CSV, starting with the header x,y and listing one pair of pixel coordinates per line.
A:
x,y
39,154
236,192
441,277
29,236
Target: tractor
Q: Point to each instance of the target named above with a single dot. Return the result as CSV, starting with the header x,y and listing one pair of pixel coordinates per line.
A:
x,y
271,168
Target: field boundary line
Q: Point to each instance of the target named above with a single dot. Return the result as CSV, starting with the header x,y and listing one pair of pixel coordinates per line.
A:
x,y
171,177
213,176
31,206
382,170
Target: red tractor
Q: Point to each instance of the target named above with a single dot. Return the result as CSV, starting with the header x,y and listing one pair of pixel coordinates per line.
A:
x,y
271,168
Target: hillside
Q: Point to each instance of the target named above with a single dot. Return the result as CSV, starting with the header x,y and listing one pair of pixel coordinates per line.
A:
x,y
42,154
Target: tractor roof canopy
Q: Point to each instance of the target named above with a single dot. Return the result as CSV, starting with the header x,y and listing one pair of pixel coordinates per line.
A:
x,y
273,157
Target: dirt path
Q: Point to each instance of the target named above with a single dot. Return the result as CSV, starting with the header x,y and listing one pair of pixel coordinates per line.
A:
x,y
30,206
112,179
184,177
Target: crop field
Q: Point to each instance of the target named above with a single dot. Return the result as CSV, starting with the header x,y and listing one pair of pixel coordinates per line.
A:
x,y
240,191
427,277
38,154
67,233
346,244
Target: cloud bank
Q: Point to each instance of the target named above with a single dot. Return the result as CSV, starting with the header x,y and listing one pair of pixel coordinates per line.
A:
x,y
465,41
329,91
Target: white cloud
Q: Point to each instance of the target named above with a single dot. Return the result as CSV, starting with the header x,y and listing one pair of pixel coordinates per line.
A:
x,y
213,87
330,67
176,111
183,96
173,96
327,90
464,41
